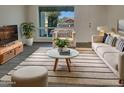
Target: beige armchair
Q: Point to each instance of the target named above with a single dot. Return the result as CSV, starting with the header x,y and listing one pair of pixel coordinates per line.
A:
x,y
68,34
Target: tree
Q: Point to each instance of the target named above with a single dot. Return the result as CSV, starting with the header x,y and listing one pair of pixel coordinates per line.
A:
x,y
53,19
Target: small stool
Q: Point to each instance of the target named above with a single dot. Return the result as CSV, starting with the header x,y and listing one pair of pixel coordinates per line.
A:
x,y
30,76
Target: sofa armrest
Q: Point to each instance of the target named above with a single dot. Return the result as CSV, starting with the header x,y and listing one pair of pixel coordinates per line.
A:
x,y
121,65
97,39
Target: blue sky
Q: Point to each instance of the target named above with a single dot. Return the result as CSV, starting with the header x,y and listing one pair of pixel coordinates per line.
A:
x,y
66,14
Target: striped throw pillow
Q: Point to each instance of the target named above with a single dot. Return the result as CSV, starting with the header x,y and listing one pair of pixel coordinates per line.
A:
x,y
120,45
114,41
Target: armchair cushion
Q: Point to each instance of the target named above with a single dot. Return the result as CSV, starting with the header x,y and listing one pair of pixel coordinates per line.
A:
x,y
69,39
64,34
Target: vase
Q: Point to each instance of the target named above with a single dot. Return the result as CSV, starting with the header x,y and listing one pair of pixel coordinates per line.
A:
x,y
29,41
60,49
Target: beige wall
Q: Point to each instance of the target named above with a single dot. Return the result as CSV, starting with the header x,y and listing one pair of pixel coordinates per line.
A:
x,y
87,18
84,16
115,13
33,16
12,15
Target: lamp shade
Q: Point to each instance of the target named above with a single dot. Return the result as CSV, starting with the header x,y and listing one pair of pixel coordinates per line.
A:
x,y
102,28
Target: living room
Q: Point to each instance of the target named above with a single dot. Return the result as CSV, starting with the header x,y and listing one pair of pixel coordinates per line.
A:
x,y
87,69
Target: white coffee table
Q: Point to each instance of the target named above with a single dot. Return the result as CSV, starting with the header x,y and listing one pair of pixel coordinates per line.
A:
x,y
53,53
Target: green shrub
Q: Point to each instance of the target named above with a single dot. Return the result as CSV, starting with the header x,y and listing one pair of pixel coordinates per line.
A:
x,y
61,43
28,29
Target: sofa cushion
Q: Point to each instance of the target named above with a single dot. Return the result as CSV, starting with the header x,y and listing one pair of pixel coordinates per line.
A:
x,y
112,59
108,49
95,46
112,56
120,45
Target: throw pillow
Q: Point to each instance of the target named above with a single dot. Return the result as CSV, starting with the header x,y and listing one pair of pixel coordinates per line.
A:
x,y
107,39
110,40
120,45
62,34
104,37
114,41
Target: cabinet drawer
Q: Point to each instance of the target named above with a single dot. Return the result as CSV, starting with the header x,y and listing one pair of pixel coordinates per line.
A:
x,y
18,49
8,55
11,51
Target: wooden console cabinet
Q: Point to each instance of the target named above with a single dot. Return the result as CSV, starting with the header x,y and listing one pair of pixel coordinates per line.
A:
x,y
10,51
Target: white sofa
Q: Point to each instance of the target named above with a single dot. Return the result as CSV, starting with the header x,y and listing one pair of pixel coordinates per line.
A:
x,y
110,55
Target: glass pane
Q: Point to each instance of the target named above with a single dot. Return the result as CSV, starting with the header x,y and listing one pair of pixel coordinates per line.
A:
x,y
43,32
66,19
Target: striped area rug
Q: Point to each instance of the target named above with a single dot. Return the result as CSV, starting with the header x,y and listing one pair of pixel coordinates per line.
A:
x,y
87,69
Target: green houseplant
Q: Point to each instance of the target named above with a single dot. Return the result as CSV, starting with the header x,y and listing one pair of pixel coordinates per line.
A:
x,y
28,28
61,43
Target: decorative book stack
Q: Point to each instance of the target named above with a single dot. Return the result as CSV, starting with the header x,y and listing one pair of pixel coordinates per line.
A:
x,y
65,52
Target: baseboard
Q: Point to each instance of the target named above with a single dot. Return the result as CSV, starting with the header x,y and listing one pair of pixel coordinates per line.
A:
x,y
78,44
83,44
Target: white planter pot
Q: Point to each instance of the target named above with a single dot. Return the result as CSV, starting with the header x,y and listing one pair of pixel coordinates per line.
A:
x,y
29,42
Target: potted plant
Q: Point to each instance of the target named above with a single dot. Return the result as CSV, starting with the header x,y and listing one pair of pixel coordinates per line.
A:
x,y
61,44
28,29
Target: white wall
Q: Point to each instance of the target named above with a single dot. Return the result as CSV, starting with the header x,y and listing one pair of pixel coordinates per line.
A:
x,y
115,12
33,16
87,18
12,15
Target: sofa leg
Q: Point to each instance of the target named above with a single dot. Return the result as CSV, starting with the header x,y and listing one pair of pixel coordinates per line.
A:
x,y
121,81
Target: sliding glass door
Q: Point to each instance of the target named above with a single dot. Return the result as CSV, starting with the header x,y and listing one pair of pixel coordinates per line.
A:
x,y
54,17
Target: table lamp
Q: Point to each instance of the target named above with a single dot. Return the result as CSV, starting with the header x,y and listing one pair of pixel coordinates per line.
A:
x,y
102,30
